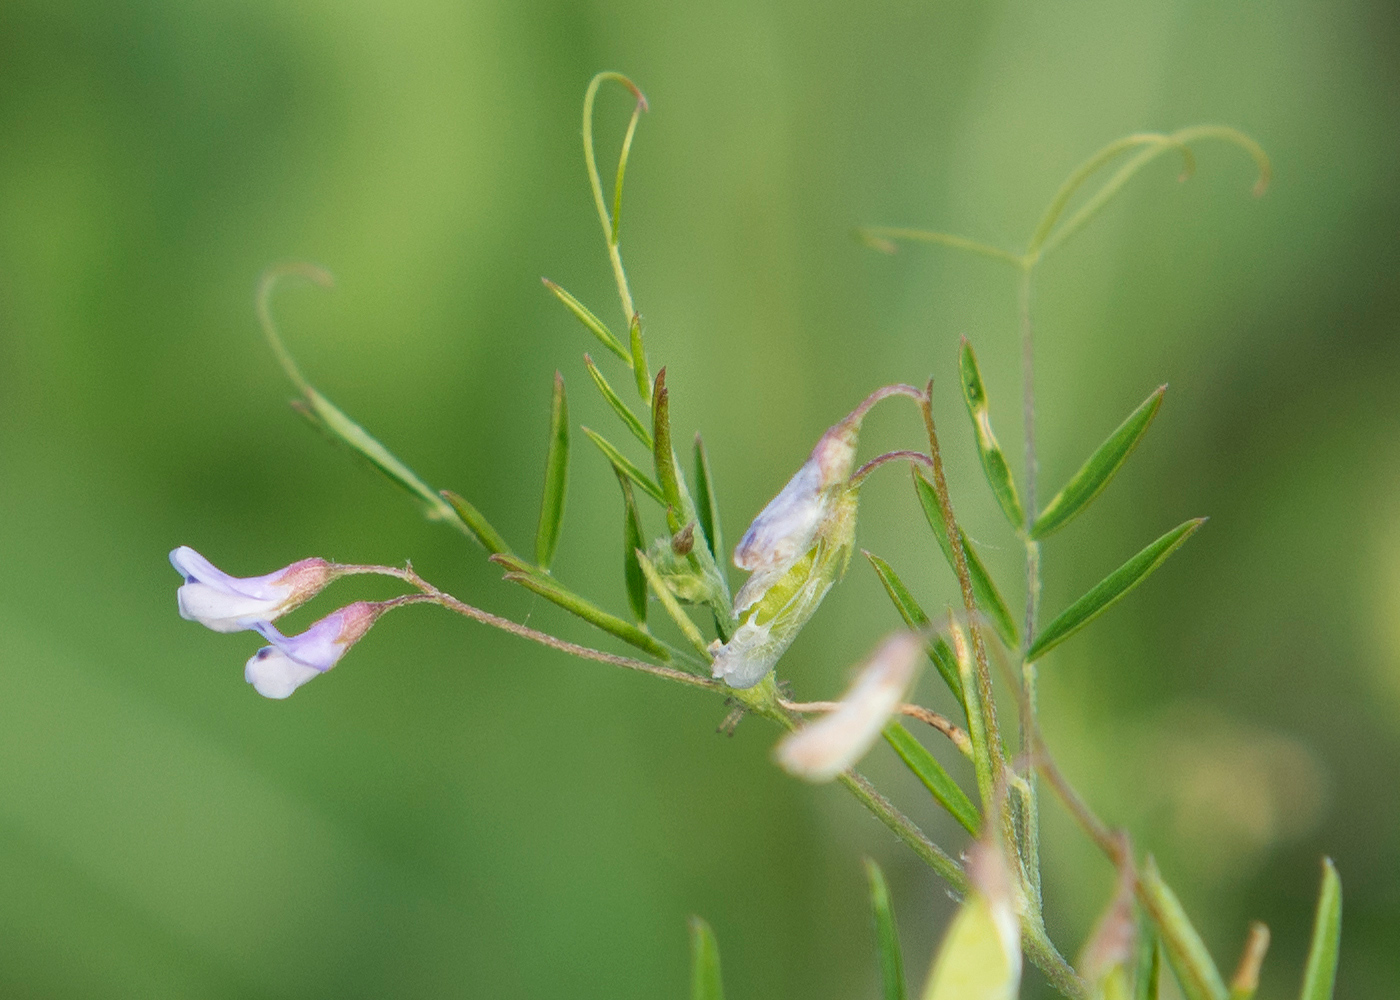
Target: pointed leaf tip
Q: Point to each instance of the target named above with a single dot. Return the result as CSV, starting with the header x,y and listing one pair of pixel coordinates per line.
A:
x,y
1320,974
705,980
1112,589
934,776
1099,469
886,934
556,478
707,501
994,464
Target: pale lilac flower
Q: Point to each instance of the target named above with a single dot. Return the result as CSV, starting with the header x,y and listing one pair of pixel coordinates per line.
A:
x,y
231,604
823,749
277,670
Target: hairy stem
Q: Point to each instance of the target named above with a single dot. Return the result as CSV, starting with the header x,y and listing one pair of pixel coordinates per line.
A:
x,y
1030,808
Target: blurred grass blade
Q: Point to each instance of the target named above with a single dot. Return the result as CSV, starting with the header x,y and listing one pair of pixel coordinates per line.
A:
x,y
988,450
1150,986
673,608
634,424
663,456
886,934
639,359
707,501
705,982
521,572
1320,973
1195,969
621,462
594,325
632,543
485,534
983,589
1090,480
329,418
935,778
914,617
556,478
1111,589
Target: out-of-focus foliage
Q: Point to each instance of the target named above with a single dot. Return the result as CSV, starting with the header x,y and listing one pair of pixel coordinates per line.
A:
x,y
455,813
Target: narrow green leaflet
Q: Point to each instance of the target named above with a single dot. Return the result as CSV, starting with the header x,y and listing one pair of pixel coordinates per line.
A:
x,y
485,534
705,982
983,589
663,456
886,934
913,615
634,424
1149,963
988,450
707,501
556,478
518,571
621,461
330,419
1321,971
632,543
1111,589
1102,466
673,608
1195,969
937,780
639,359
585,316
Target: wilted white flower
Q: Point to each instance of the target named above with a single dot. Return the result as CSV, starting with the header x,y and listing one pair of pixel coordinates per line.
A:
x,y
823,749
980,957
231,604
277,670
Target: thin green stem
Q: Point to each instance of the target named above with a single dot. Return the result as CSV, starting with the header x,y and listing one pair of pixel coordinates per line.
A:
x,y
883,237
986,708
266,286
1030,808
609,221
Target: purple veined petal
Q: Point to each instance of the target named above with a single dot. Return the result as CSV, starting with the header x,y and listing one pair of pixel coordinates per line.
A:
x,y
276,670
227,603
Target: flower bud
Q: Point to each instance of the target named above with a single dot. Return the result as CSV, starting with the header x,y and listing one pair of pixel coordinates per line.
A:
x,y
277,670
822,750
231,604
795,549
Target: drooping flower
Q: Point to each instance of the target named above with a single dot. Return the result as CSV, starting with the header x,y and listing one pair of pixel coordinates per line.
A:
x,y
231,604
823,749
277,670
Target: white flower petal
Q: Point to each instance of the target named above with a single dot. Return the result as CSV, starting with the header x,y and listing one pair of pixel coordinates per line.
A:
x,y
823,749
274,674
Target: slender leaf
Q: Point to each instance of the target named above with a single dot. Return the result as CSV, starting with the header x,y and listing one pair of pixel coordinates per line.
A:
x,y
621,461
673,608
937,780
1320,974
1111,589
913,615
1195,969
707,501
485,534
556,478
886,934
705,982
634,424
1086,484
988,450
585,316
1149,984
631,544
663,456
547,587
983,589
1245,982
639,359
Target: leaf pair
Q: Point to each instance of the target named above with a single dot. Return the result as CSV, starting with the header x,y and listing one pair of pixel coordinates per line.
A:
x,y
1083,487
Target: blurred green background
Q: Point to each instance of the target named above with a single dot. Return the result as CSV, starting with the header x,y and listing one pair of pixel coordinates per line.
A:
x,y
455,813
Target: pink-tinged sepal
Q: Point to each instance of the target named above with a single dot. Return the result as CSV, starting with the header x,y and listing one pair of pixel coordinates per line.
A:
x,y
277,670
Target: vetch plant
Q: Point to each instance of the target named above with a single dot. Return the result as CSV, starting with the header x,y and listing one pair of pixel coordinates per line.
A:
x,y
795,550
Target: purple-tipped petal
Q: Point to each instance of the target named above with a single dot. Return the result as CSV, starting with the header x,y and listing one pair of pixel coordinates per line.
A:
x,y
227,603
277,670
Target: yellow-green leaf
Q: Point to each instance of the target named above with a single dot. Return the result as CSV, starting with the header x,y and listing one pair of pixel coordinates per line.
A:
x,y
1320,973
